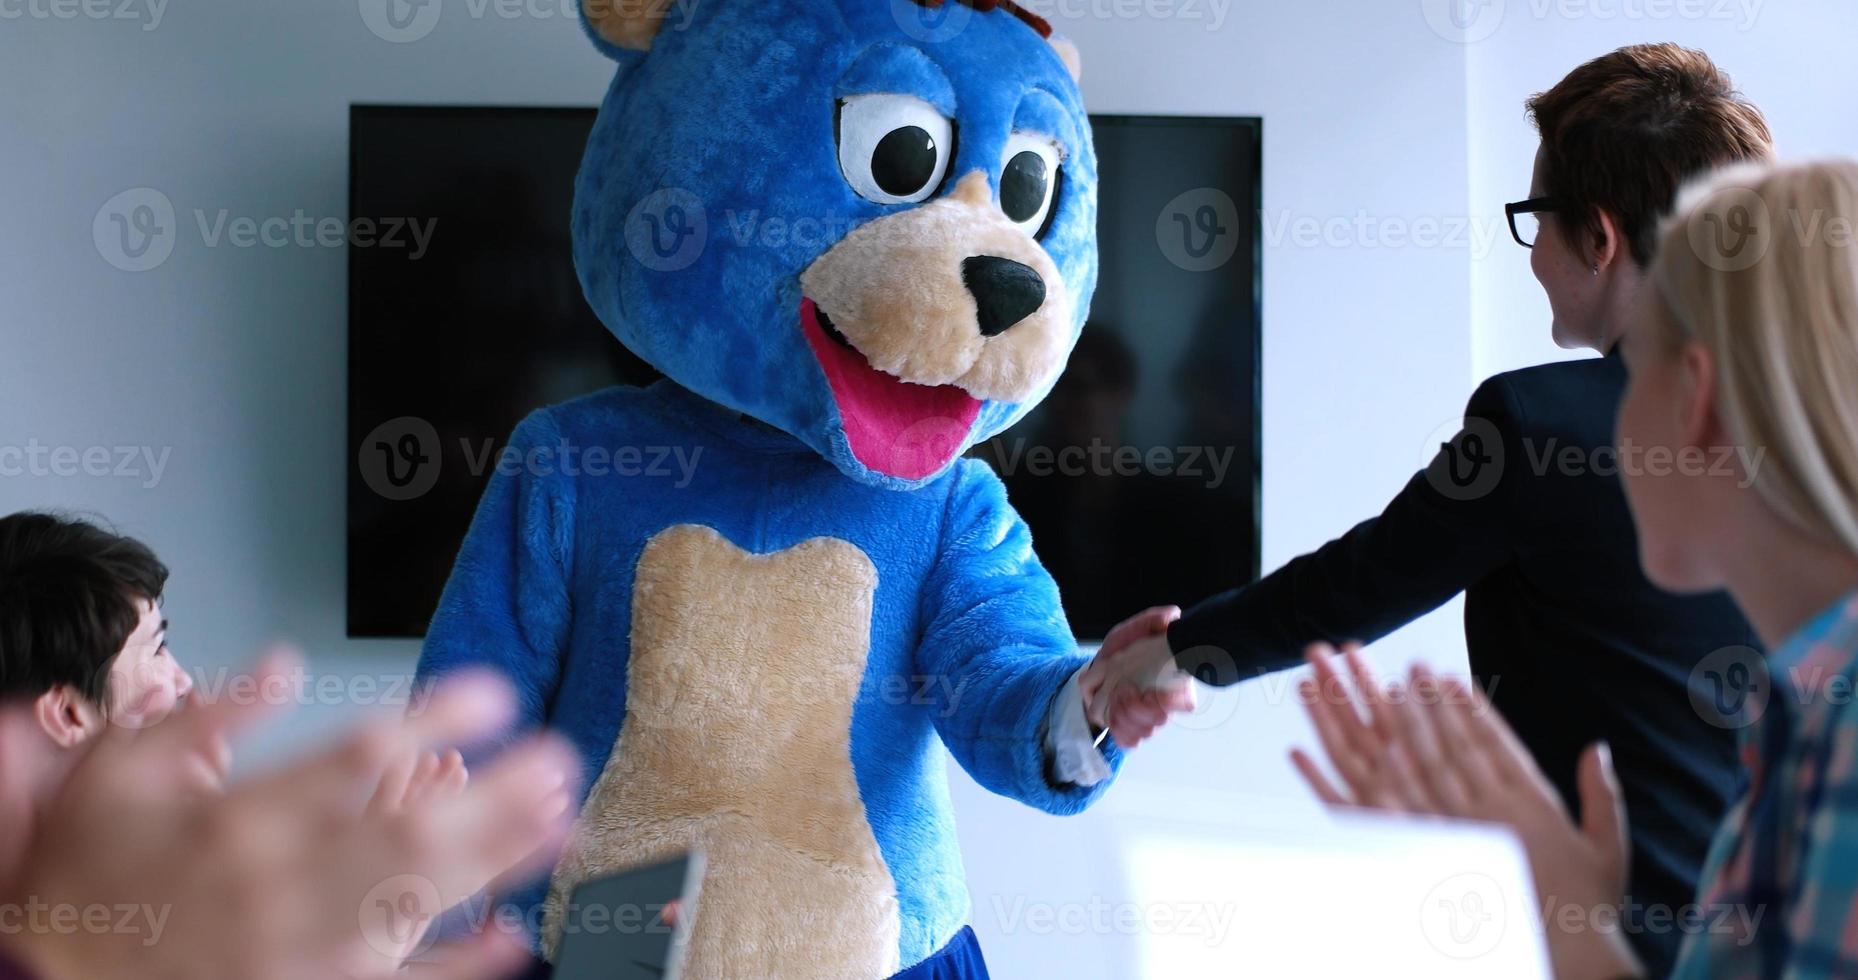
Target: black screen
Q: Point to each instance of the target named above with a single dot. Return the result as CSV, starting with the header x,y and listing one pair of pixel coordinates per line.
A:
x,y
1138,475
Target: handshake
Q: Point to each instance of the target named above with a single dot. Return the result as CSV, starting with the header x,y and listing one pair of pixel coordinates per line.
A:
x,y
1133,685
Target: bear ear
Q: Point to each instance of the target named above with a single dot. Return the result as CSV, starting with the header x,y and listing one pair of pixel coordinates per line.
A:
x,y
620,26
1067,53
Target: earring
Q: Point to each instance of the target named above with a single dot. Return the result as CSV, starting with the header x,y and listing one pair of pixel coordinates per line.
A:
x,y
1596,270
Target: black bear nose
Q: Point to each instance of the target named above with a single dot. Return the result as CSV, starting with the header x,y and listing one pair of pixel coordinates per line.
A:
x,y
1005,291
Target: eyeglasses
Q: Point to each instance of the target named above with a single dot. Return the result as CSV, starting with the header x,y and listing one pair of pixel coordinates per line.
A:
x,y
1525,218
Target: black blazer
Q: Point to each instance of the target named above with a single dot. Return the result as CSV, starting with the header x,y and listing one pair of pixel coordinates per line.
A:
x,y
1523,512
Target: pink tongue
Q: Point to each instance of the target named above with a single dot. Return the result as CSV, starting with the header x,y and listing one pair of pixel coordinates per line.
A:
x,y
894,427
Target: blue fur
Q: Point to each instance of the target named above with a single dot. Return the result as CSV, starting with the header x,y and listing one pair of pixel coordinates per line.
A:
x,y
543,591
736,109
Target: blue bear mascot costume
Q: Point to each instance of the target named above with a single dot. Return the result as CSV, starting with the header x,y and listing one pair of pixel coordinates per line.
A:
x,y
857,237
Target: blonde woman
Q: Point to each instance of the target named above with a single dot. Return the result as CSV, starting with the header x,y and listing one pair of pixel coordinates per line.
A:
x,y
1742,410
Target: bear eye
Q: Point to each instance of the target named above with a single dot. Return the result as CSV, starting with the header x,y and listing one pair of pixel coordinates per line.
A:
x,y
893,149
1029,181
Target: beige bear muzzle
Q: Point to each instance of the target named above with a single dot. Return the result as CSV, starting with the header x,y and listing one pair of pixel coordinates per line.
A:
x,y
894,287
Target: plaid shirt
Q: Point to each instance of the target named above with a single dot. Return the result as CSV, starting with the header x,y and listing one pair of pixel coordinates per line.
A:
x,y
1779,889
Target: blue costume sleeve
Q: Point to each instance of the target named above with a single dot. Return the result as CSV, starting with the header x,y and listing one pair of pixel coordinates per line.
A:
x,y
506,605
996,636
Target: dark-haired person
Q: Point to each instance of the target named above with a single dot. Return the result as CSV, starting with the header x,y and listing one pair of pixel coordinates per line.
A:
x,y
1522,510
82,645
83,649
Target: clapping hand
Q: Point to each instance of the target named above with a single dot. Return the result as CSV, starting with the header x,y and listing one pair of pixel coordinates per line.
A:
x,y
1133,686
1436,746
276,876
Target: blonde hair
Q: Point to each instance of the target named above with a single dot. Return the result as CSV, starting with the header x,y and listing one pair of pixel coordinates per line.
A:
x,y
1760,265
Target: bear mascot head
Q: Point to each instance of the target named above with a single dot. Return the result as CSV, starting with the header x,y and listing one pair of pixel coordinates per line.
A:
x,y
868,223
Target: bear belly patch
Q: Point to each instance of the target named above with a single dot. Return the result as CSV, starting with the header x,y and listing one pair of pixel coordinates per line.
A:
x,y
737,740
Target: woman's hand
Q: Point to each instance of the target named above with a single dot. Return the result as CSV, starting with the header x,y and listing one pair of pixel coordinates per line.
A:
x,y
1436,746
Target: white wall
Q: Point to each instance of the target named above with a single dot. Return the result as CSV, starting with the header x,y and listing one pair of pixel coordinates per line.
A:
x,y
231,361
1791,57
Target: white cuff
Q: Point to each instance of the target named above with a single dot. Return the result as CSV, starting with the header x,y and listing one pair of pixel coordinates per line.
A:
x,y
1068,741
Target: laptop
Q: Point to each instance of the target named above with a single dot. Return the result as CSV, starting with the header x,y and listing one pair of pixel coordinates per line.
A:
x,y
1342,895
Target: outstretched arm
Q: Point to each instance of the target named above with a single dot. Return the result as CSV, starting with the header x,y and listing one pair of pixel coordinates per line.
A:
x,y
1450,526
996,637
